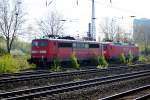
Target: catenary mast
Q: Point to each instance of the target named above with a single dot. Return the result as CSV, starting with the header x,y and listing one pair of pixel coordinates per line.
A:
x,y
93,26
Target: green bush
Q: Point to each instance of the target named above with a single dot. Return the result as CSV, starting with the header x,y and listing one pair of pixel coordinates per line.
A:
x,y
143,59
122,58
8,64
74,61
101,62
56,65
2,52
130,58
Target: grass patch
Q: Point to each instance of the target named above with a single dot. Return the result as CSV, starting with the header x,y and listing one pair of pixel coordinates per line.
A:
x,y
144,59
56,65
74,61
122,58
148,58
126,59
11,64
129,58
23,64
101,61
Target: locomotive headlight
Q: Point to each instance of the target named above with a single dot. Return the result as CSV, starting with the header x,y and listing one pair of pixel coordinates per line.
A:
x,y
42,51
34,51
105,52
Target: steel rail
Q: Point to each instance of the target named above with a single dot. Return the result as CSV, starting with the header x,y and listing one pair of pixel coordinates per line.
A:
x,y
5,75
70,86
145,97
126,93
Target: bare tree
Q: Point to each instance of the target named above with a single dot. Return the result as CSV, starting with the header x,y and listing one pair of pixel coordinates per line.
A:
x,y
52,26
119,35
110,28
11,19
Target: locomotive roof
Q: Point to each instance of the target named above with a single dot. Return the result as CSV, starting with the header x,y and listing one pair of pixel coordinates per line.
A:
x,y
118,43
65,40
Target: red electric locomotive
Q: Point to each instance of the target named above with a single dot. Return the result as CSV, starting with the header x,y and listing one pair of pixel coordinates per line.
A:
x,y
44,50
113,50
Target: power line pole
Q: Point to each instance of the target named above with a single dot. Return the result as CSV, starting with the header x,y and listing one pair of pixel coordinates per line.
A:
x,y
93,26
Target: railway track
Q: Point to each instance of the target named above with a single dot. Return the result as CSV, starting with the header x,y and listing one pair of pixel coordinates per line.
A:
x,y
140,93
7,75
70,86
36,75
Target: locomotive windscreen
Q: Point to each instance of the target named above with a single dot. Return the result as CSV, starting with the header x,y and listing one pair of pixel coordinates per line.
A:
x,y
40,43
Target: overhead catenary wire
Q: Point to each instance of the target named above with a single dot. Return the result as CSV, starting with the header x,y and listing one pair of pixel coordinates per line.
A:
x,y
48,3
112,6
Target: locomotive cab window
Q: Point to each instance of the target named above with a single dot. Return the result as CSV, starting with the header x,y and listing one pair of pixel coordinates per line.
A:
x,y
65,45
35,43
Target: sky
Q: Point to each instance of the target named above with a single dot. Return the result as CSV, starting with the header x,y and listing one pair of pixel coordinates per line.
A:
x,y
78,15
